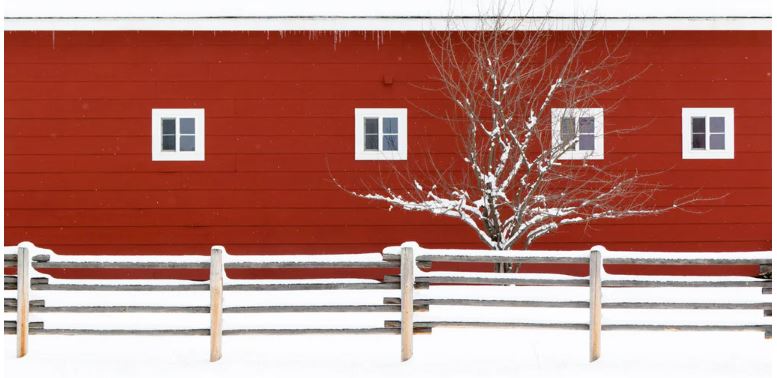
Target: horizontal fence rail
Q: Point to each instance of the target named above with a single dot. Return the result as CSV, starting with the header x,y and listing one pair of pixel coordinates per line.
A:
x,y
411,266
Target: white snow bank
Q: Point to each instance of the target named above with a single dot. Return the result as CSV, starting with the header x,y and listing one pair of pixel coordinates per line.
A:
x,y
450,353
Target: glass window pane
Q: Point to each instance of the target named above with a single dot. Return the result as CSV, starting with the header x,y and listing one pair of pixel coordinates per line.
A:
x,y
717,125
187,125
390,125
390,143
168,143
168,126
371,142
187,143
567,129
586,125
370,125
586,142
698,125
717,141
698,141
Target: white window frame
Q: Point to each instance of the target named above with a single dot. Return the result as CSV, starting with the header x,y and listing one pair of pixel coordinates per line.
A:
x,y
690,153
157,154
360,114
597,113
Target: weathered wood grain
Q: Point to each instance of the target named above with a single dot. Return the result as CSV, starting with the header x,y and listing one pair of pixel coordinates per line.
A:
x,y
500,281
595,304
313,264
313,286
40,308
684,283
205,265
23,299
407,284
311,331
492,302
109,287
119,265
216,300
687,305
686,327
463,324
690,260
123,332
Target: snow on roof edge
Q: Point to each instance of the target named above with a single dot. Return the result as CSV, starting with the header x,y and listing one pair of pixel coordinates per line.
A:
x,y
295,23
394,8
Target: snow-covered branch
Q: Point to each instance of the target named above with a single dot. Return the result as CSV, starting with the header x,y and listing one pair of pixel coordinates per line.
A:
x,y
510,183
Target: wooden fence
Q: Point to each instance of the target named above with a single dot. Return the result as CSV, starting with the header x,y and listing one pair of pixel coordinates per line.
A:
x,y
407,260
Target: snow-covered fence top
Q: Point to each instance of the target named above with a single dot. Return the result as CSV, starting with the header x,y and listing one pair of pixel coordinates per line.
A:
x,y
581,257
45,258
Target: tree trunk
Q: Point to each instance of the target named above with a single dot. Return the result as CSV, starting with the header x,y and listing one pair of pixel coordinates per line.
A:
x,y
505,267
502,267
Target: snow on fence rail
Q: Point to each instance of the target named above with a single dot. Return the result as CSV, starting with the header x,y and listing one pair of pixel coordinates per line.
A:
x,y
41,297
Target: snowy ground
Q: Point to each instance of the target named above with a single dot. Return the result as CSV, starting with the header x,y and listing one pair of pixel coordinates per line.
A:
x,y
446,353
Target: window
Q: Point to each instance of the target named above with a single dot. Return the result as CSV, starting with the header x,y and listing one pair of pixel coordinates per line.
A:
x,y
178,134
708,133
381,134
580,130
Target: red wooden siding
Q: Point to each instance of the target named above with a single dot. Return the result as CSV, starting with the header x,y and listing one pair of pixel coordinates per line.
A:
x,y
279,124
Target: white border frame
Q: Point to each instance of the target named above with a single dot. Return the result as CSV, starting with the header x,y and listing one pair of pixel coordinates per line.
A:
x,y
199,135
360,114
688,152
598,114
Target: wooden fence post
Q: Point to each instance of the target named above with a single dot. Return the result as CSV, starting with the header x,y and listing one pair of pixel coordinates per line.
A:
x,y
595,302
23,267
763,269
216,300
407,284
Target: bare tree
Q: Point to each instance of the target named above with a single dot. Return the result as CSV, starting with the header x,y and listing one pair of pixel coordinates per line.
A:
x,y
514,183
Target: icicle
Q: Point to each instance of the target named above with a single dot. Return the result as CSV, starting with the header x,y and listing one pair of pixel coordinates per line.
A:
x,y
53,40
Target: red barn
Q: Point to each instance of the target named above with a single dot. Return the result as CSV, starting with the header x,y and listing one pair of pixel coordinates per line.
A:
x,y
171,131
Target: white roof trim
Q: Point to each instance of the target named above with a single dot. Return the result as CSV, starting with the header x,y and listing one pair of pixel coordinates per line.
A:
x,y
393,8
384,23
